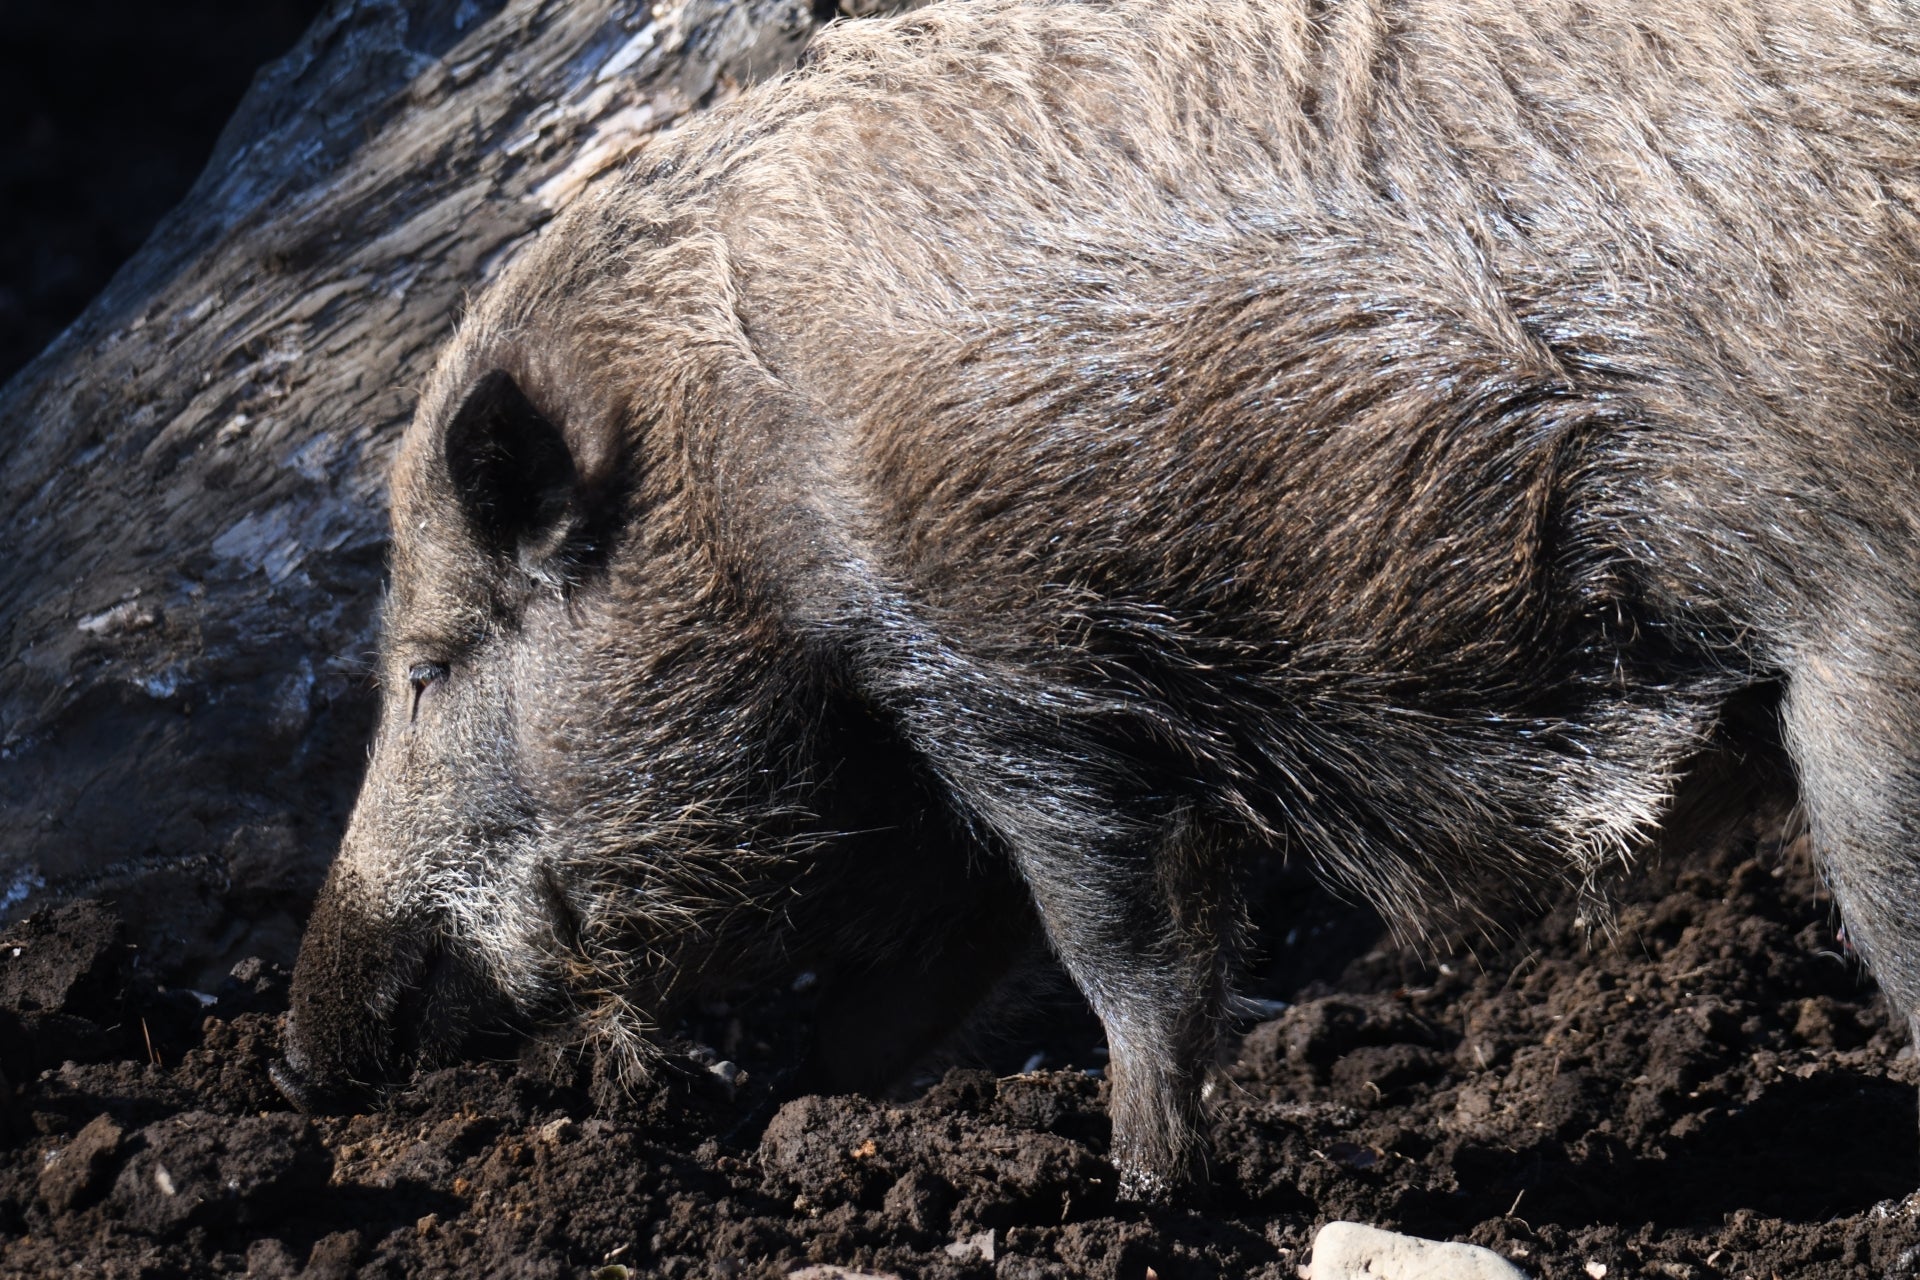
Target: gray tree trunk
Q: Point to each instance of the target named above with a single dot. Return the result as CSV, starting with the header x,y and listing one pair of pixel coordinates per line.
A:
x,y
192,523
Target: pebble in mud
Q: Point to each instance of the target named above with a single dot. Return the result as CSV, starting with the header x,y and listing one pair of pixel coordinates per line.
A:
x,y
1351,1251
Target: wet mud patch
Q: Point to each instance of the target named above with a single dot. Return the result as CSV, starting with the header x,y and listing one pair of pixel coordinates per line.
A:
x,y
1711,1088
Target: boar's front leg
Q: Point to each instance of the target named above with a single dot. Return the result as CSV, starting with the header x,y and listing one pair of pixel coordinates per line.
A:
x,y
1140,910
1147,933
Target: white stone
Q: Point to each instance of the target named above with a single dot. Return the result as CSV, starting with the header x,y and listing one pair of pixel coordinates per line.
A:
x,y
975,1248
1350,1251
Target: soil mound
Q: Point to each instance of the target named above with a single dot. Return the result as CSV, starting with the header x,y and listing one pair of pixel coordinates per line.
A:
x,y
1709,1089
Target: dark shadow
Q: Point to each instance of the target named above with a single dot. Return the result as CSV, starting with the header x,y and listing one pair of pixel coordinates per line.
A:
x,y
1805,1151
108,110
1809,1150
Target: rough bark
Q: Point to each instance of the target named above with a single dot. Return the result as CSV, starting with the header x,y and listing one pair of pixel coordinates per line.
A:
x,y
191,502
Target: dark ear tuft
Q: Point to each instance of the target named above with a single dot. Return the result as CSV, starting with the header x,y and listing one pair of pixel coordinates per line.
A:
x,y
511,467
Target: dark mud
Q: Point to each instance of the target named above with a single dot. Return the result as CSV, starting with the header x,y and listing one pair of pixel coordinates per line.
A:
x,y
1713,1089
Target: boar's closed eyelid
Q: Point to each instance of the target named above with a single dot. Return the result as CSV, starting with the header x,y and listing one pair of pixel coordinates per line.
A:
x,y
421,677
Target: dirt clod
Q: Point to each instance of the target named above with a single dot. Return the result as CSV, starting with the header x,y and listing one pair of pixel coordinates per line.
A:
x,y
62,961
203,1169
75,1174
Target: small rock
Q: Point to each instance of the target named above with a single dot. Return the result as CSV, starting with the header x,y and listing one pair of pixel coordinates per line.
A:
x,y
975,1248
1350,1251
826,1271
729,1075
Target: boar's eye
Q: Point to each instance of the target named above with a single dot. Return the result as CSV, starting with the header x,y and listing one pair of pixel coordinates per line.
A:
x,y
422,677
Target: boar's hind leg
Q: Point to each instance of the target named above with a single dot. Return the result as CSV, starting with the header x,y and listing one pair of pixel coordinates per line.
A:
x,y
1851,721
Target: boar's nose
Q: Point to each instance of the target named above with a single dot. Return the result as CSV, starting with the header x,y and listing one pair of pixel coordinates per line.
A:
x,y
374,998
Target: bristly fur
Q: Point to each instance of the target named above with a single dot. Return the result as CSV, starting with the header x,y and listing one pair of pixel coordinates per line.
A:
x,y
997,481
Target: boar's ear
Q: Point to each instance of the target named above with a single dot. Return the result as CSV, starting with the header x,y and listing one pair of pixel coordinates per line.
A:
x,y
511,468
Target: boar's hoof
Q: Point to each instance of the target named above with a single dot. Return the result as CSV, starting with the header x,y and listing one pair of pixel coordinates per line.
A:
x,y
310,1091
293,1086
1153,1187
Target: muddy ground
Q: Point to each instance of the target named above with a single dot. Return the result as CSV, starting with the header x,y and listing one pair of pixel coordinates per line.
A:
x,y
1712,1090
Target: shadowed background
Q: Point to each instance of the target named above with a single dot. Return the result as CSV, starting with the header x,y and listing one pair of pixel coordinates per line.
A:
x,y
108,111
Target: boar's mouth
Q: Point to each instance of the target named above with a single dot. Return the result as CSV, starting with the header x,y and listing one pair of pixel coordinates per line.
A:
x,y
373,1000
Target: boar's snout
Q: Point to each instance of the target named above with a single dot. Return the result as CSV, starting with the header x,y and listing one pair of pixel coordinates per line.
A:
x,y
375,996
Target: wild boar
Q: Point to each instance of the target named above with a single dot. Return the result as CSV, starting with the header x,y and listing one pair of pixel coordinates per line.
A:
x,y
997,482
